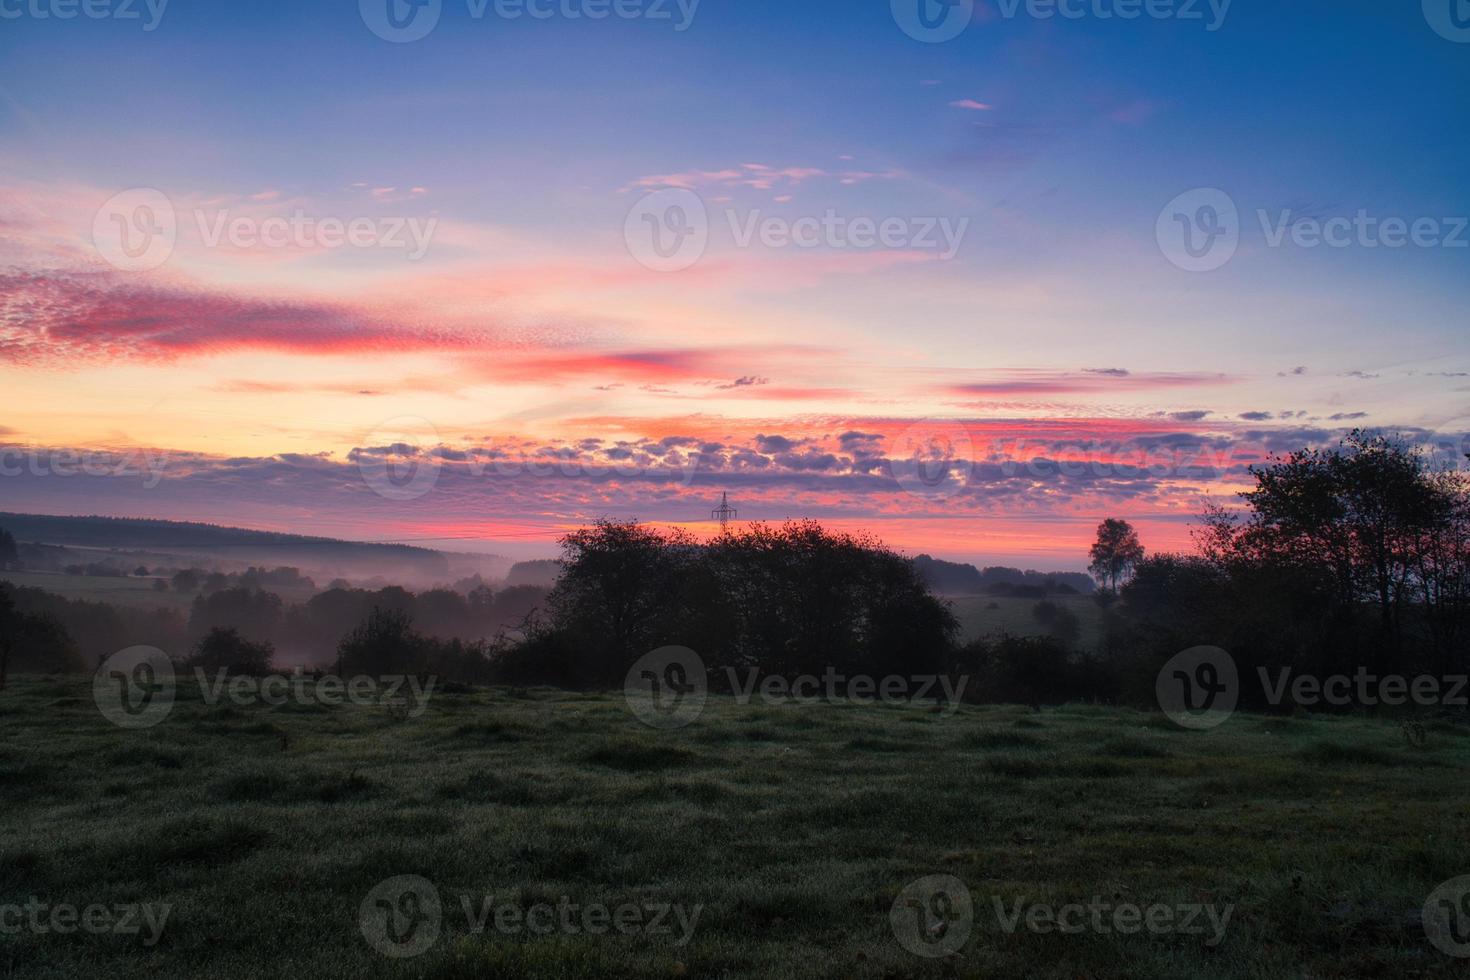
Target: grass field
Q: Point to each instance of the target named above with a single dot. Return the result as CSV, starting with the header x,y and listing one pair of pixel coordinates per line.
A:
x,y
136,592
795,828
990,616
133,592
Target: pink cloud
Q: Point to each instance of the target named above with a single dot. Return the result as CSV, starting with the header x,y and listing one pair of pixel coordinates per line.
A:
x,y
972,105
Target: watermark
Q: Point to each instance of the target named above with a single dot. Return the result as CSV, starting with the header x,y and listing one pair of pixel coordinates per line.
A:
x,y
404,916
403,459
670,231
398,461
137,688
1364,689
1199,230
1447,917
1210,13
667,688
147,12
1449,18
937,21
933,21
1448,446
1103,916
138,230
134,688
832,687
404,21
405,691
1361,230
1199,688
148,464
932,460
933,916
38,918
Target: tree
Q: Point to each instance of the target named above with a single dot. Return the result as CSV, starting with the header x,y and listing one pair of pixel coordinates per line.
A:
x,y
385,643
225,649
620,587
9,553
1116,553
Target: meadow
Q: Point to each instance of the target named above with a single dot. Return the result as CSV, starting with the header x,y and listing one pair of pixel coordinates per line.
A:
x,y
793,828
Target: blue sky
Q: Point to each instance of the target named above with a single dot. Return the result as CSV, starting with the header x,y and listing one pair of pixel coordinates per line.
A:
x,y
1058,142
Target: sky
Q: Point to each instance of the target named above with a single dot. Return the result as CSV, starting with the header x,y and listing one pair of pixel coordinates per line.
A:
x,y
473,274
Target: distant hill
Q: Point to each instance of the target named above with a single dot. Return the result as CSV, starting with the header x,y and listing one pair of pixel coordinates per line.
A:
x,y
213,539
955,578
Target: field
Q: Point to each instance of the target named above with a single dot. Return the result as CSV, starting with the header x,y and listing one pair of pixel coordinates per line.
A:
x,y
794,828
990,616
135,592
132,592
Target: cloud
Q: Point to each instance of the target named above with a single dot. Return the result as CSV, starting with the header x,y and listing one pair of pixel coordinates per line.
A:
x,y
746,382
1256,416
971,105
1023,381
61,317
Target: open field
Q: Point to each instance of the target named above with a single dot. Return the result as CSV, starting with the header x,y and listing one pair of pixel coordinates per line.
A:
x,y
136,592
990,616
795,828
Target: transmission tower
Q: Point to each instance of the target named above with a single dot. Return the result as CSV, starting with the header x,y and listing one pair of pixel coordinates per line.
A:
x,y
724,513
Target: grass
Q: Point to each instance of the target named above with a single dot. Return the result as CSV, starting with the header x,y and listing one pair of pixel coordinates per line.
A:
x,y
795,828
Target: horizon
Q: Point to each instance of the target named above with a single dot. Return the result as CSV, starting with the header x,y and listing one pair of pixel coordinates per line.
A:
x,y
974,293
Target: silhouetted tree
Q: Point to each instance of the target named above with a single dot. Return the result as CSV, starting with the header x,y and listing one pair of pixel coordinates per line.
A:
x,y
1116,552
225,649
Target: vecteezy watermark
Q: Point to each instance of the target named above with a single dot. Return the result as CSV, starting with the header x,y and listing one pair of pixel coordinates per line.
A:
x,y
1102,916
669,231
134,688
399,460
1448,447
403,917
937,21
1211,13
65,463
832,687
137,688
667,688
1199,230
149,12
1199,688
933,460
1364,689
1447,917
402,21
139,229
136,230
1361,230
1449,18
39,918
933,916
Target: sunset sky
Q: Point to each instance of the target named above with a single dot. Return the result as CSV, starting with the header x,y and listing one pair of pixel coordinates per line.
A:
x,y
498,325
